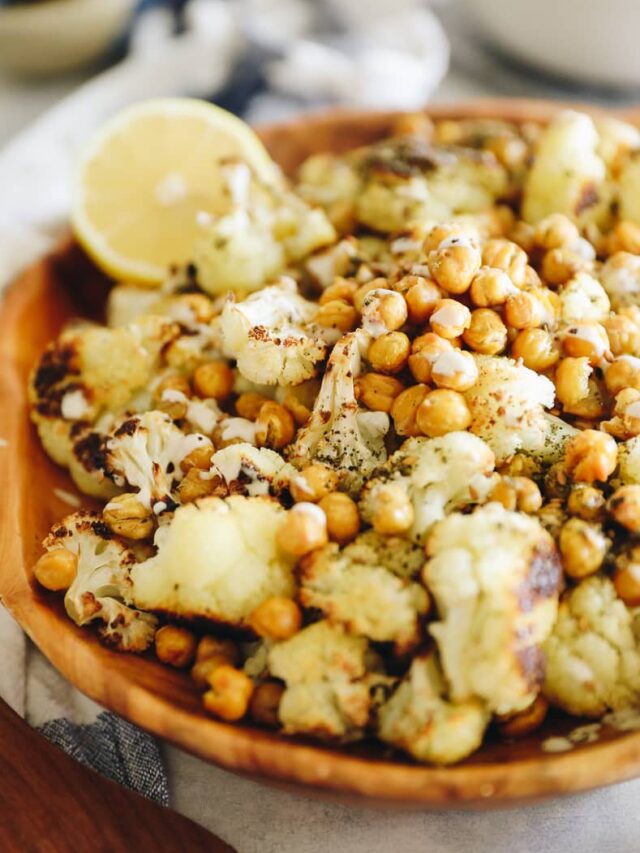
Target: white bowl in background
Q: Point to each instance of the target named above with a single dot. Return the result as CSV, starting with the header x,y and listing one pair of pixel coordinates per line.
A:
x,y
59,35
591,41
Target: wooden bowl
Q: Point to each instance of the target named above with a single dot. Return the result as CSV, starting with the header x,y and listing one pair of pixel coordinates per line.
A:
x,y
164,701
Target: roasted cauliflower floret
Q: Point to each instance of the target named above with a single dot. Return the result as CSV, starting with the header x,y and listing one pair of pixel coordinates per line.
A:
x,y
568,176
102,586
144,453
338,434
620,277
331,678
495,577
583,299
593,662
420,719
247,470
439,476
331,183
629,460
217,559
355,588
270,334
507,406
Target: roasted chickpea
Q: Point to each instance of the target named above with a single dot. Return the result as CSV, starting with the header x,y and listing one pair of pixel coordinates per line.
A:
x,y
383,311
591,455
507,256
421,295
389,353
56,570
455,370
169,393
572,380
453,266
623,334
627,577
343,517
248,405
362,292
276,618
587,340
377,391
210,654
450,318
486,334
405,407
413,124
337,314
303,530
265,703
442,411
313,483
491,287
504,493
175,646
624,507
342,289
524,722
523,234
536,348
297,408
586,502
554,231
200,457
425,350
392,510
194,486
230,693
523,310
214,380
528,497
440,236
126,516
275,427
622,373
625,237
583,546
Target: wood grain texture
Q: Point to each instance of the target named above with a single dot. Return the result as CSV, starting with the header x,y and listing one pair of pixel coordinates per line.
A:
x,y
164,701
52,804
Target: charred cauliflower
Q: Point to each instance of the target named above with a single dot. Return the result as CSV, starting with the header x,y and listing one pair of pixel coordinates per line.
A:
x,y
247,470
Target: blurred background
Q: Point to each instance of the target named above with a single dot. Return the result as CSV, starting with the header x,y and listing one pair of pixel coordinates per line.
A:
x,y
267,59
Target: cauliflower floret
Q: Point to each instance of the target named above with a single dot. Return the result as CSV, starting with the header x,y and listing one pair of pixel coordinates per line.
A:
x,y
629,189
567,175
629,460
593,663
439,474
102,586
301,229
507,406
126,303
557,435
340,259
394,553
620,277
338,434
419,719
495,576
331,183
616,138
144,452
247,470
583,299
353,587
270,336
330,677
216,559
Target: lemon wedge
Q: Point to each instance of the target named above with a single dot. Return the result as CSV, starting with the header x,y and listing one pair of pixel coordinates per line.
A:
x,y
150,180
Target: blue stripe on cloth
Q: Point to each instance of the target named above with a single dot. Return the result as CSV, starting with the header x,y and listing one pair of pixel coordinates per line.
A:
x,y
116,749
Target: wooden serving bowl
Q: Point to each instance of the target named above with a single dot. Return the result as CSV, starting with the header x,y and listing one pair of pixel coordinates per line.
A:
x,y
163,700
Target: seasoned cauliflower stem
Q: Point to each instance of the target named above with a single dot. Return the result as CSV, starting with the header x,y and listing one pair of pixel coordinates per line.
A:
x,y
371,454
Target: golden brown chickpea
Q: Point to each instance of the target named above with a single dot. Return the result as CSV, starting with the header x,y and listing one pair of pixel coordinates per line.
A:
x,y
337,314
591,455
248,405
455,370
413,124
276,618
194,486
583,546
627,577
343,289
450,318
377,391
313,483
625,237
383,311
210,646
230,693
623,334
389,353
297,408
275,427
504,493
528,497
626,420
304,529
554,231
56,570
572,380
507,256
587,340
200,457
561,264
524,722
622,373
523,310
361,293
421,296
392,510
442,411
624,507
454,267
425,349
175,646
522,234
404,409
491,287
586,502
214,380
486,334
177,383
126,516
536,348
444,233
265,703
343,517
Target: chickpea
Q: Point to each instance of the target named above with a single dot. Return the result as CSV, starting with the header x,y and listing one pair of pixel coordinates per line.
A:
x,y
275,427
127,517
230,693
583,546
377,391
425,350
405,407
362,292
622,373
175,646
572,380
586,502
536,348
625,237
248,405
337,314
491,287
214,380
624,507
520,465
626,578
507,256
383,311
276,618
524,310
511,151
421,296
56,570
450,318
561,264
555,231
304,529
454,266
623,334
522,234
455,370
486,334
413,124
342,289
504,493
442,411
389,353
210,654
343,517
587,340
446,233
175,408
392,511
265,703
528,497
296,408
591,456
524,722
200,457
313,483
